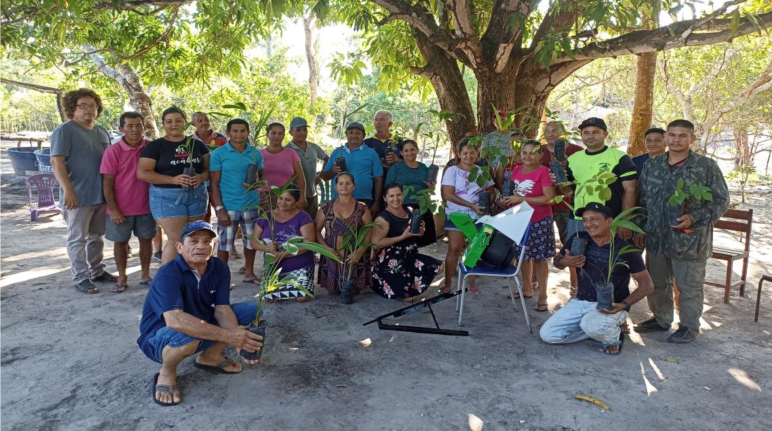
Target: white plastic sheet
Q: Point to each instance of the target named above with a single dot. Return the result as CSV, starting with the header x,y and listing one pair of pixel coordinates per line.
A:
x,y
513,222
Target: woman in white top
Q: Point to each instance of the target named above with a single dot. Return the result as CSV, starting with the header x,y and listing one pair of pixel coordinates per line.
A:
x,y
462,196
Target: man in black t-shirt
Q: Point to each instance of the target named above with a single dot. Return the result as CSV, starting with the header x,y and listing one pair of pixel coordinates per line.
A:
x,y
579,319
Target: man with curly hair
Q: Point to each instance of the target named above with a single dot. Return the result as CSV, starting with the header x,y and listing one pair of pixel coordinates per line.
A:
x,y
77,147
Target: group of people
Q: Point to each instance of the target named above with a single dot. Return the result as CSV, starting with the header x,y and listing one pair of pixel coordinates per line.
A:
x,y
676,250
172,181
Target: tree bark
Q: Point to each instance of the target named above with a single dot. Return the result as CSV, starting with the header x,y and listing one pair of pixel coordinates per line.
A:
x,y
139,99
643,105
742,155
313,68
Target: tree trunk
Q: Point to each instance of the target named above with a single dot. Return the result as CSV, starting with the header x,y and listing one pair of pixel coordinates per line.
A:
x,y
643,105
742,154
43,89
313,68
139,98
495,92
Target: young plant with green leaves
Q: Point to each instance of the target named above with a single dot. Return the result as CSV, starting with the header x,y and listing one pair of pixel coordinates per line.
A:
x,y
696,191
353,246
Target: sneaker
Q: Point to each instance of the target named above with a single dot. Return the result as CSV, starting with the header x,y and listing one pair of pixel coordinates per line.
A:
x,y
106,277
682,336
157,256
650,325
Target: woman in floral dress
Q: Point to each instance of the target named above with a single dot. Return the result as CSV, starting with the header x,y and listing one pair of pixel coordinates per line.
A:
x,y
400,271
336,218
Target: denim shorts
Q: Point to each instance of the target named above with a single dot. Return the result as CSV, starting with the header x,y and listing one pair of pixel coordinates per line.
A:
x,y
168,202
143,226
153,346
449,226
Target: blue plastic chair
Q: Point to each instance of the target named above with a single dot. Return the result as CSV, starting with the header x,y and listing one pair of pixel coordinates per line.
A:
x,y
510,273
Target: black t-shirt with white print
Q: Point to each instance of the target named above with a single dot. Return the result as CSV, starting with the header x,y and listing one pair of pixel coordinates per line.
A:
x,y
172,157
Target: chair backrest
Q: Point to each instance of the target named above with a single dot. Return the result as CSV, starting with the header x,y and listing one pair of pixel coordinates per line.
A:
x,y
45,184
325,191
737,221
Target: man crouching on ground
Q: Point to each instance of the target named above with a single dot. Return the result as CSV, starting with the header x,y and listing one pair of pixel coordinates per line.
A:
x,y
579,319
187,311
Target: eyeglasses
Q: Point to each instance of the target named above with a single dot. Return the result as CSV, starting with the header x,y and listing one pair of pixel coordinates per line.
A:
x,y
87,107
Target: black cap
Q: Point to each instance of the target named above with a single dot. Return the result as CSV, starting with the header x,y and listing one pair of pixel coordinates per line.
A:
x,y
195,227
595,206
654,129
355,125
594,121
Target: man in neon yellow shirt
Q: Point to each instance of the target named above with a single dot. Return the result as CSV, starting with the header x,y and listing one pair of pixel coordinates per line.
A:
x,y
597,158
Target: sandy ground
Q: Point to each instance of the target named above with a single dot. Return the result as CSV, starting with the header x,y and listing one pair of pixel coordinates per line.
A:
x,y
70,361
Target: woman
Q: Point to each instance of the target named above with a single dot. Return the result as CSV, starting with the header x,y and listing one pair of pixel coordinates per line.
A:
x,y
162,164
412,173
283,223
281,164
532,184
337,218
400,272
462,196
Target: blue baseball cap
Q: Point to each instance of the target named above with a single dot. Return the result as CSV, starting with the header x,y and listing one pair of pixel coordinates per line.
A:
x,y
594,121
196,226
298,122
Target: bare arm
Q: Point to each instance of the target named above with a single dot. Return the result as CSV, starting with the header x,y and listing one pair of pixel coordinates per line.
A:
x,y
300,181
188,324
108,187
60,172
146,172
318,227
630,194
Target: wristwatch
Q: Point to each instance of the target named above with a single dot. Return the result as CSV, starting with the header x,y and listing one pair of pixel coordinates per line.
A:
x,y
219,207
627,306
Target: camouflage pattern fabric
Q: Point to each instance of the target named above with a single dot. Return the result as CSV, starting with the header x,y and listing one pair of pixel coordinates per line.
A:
x,y
657,184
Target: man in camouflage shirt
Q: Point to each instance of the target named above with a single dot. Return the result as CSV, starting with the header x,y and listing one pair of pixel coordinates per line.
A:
x,y
679,252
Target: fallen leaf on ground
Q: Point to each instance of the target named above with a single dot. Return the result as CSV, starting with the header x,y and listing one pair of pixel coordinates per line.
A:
x,y
595,401
365,342
671,360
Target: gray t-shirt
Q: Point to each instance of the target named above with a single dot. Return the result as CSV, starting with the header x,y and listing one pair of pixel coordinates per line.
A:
x,y
82,150
308,160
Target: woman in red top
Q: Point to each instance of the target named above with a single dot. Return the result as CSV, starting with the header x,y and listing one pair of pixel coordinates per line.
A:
x,y
532,184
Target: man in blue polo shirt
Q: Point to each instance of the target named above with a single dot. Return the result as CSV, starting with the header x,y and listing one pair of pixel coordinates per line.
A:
x,y
383,139
363,163
235,204
187,311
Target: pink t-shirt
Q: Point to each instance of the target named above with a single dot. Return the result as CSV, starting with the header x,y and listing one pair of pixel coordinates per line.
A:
x,y
279,167
532,185
131,194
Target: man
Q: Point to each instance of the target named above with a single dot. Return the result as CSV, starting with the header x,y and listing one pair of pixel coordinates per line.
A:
x,y
309,154
655,145
553,131
77,147
187,311
235,205
128,204
363,163
679,253
383,138
597,158
204,131
213,140
579,319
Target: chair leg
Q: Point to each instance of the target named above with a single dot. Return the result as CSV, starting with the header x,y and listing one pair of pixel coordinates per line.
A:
x,y
758,295
744,276
522,302
33,215
462,282
512,293
728,285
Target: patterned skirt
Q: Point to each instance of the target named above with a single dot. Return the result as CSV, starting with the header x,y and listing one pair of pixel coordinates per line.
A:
x,y
401,272
541,242
303,277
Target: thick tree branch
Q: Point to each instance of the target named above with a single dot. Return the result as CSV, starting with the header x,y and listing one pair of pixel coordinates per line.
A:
x,y
555,19
163,36
500,37
36,87
466,35
30,12
639,42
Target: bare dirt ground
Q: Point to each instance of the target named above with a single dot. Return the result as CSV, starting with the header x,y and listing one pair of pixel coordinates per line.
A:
x,y
70,361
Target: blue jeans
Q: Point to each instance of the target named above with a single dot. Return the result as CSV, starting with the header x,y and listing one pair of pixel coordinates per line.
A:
x,y
168,202
579,320
154,345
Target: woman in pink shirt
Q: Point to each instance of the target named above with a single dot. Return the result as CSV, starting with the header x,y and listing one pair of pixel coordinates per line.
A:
x,y
532,184
281,165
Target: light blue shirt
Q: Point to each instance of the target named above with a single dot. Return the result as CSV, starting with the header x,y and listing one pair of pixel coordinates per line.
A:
x,y
363,163
233,168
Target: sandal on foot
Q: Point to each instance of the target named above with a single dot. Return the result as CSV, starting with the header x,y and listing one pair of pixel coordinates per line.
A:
x,y
234,254
252,281
517,295
619,343
541,308
219,368
87,287
145,282
119,288
164,388
243,270
474,290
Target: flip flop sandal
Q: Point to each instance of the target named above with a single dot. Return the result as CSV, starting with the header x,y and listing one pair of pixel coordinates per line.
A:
x,y
235,254
243,270
119,288
163,388
474,290
619,343
517,296
219,368
541,308
87,290
254,281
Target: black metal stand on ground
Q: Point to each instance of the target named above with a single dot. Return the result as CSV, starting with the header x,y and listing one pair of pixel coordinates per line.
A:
x,y
412,308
